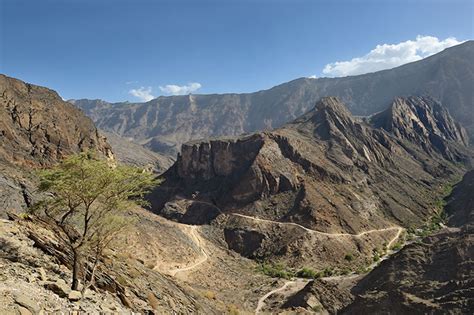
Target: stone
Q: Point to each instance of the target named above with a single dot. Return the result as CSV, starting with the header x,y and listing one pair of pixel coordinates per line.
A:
x,y
59,287
74,296
26,302
43,275
24,311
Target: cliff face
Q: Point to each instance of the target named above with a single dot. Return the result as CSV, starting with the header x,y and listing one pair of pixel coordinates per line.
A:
x,y
326,171
38,128
163,124
423,121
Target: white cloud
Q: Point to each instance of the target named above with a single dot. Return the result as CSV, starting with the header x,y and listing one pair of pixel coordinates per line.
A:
x,y
388,56
180,89
312,77
142,93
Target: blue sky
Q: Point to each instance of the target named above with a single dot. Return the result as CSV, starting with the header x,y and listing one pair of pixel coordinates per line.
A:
x,y
116,49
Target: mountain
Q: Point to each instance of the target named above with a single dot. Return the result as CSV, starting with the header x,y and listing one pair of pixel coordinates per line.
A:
x,y
37,128
279,194
163,124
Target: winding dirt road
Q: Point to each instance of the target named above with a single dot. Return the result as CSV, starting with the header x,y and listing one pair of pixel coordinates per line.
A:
x,y
197,239
400,229
199,243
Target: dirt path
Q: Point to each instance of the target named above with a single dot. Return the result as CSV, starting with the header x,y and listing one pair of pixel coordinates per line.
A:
x,y
400,229
197,239
194,234
374,264
297,283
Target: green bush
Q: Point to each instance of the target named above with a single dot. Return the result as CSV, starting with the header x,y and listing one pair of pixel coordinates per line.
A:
x,y
328,272
349,257
308,273
397,246
276,271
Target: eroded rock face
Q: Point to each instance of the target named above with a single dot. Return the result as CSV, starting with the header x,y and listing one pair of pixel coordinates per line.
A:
x,y
425,122
320,295
326,171
38,128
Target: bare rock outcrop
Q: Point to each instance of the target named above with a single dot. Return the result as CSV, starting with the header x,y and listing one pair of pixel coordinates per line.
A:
x,y
37,128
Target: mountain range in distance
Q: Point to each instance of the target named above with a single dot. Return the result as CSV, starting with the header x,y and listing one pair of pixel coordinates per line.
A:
x,y
165,123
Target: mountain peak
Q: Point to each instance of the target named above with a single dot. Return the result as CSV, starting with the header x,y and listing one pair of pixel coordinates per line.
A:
x,y
421,120
331,104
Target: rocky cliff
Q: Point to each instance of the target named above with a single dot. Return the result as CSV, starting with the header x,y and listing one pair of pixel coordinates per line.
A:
x,y
327,171
37,128
422,121
163,124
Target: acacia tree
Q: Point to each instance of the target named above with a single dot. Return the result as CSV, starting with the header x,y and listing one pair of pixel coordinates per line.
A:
x,y
86,206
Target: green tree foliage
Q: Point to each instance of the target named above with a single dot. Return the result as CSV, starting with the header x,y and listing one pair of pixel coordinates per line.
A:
x,y
86,206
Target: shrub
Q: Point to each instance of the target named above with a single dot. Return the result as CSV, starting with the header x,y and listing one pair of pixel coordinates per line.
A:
x,y
308,273
276,271
24,216
233,310
396,246
328,271
349,257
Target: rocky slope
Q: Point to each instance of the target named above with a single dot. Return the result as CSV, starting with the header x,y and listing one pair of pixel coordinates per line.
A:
x,y
435,276
131,153
163,124
294,193
37,128
432,275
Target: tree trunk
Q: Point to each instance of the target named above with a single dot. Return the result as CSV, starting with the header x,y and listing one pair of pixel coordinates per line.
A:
x,y
75,270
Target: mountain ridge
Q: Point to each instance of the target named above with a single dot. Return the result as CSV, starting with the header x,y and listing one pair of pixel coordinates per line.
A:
x,y
163,124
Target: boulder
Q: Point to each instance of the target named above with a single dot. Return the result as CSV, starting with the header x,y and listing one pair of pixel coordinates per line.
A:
x,y
74,296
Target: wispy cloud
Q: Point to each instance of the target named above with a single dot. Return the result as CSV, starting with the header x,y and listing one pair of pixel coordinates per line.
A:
x,y
142,93
388,56
172,89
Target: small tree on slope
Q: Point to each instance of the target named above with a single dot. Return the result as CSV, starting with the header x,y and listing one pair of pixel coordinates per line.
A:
x,y
86,205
